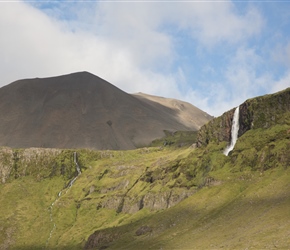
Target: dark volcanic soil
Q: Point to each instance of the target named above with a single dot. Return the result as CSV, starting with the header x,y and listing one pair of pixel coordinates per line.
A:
x,y
81,110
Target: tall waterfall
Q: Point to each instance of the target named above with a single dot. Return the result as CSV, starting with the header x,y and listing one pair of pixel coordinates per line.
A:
x,y
234,132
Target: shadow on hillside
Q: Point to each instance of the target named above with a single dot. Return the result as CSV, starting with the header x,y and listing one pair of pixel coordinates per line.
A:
x,y
242,218
41,247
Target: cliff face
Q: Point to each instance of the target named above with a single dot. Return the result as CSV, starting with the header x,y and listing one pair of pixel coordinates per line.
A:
x,y
121,195
40,163
259,112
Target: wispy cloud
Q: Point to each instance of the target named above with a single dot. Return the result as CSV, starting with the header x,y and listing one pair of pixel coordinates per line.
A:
x,y
282,83
206,53
216,22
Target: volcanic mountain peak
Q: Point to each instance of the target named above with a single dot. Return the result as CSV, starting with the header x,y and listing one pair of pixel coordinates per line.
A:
x,y
70,82
83,110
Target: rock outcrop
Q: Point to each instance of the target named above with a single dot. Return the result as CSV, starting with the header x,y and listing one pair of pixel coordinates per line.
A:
x,y
259,112
122,195
39,162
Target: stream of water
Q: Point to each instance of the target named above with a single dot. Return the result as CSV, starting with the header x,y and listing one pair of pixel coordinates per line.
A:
x,y
234,132
78,169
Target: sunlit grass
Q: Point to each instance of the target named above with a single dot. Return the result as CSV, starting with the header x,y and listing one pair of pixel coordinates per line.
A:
x,y
237,201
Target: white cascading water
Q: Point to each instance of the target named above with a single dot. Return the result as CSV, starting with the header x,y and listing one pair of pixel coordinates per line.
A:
x,y
234,132
76,163
77,168
59,195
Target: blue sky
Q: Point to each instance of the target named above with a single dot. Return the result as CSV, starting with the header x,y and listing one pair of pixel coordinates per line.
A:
x,y
213,54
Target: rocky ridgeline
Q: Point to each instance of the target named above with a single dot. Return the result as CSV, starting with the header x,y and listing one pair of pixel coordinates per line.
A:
x,y
39,162
125,198
259,112
122,195
135,187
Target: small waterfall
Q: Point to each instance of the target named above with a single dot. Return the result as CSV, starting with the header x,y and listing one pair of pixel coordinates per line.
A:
x,y
59,195
51,219
76,162
234,132
77,168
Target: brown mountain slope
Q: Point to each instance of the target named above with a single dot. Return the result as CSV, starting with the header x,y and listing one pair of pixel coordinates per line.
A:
x,y
184,112
82,110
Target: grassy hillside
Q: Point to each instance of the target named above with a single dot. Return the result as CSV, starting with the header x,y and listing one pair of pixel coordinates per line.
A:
x,y
241,201
237,214
107,192
151,198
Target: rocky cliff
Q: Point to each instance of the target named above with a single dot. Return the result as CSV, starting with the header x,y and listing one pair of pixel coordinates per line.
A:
x,y
40,163
259,112
121,187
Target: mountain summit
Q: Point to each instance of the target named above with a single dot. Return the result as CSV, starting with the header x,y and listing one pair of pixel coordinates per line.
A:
x,y
81,110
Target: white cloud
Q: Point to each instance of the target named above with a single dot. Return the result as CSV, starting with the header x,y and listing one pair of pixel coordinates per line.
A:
x,y
31,44
241,71
35,45
127,44
241,82
281,53
288,54
282,83
215,22
285,55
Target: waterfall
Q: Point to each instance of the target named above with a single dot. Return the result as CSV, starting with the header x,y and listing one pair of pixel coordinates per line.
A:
x,y
77,168
59,196
234,132
77,165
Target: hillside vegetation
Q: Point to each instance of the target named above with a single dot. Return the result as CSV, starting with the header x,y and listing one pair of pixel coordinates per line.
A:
x,y
168,196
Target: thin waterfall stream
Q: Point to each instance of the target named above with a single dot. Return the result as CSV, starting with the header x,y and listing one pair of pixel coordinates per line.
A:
x,y
78,169
234,132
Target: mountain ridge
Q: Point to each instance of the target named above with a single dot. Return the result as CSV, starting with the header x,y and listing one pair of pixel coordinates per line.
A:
x,y
81,110
192,116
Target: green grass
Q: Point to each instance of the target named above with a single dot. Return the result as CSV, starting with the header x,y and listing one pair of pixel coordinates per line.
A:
x,y
234,215
234,202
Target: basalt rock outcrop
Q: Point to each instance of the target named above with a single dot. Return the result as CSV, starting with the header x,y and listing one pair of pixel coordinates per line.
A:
x,y
259,112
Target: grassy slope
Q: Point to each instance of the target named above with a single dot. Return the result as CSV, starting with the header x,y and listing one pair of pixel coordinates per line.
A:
x,y
246,206
25,202
240,201
235,215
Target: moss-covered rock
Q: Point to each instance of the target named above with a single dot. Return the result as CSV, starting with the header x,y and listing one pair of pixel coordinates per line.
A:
x,y
42,162
260,112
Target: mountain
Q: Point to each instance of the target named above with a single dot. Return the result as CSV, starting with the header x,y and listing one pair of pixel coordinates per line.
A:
x,y
185,113
156,197
81,110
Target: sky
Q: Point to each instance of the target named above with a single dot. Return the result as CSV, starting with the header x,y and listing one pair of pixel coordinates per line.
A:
x,y
213,54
